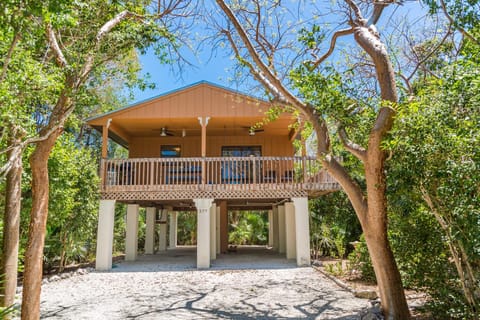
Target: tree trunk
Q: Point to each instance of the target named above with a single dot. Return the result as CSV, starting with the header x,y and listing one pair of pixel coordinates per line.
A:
x,y
11,225
32,280
392,295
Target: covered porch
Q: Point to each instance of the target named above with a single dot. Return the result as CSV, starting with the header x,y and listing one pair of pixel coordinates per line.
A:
x,y
216,174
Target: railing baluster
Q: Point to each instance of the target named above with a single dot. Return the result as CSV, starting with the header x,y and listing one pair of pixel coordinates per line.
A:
x,y
141,180
130,167
134,170
137,173
219,173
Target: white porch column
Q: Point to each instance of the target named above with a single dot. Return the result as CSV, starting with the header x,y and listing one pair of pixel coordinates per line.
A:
x,y
203,232
281,230
204,123
213,231
302,227
172,239
162,231
150,230
217,229
275,228
131,237
106,217
290,230
270,228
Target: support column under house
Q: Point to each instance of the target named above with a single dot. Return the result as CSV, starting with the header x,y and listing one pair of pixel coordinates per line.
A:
x,y
106,218
203,232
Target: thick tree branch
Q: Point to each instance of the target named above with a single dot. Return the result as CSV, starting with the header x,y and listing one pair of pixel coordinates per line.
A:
x,y
378,7
355,149
266,72
352,189
333,43
62,110
104,30
32,140
274,84
370,42
356,11
52,40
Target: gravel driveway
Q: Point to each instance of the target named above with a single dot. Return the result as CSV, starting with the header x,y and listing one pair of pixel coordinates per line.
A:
x,y
173,289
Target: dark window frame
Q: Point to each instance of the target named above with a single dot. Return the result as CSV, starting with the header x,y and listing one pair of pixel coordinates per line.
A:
x,y
243,151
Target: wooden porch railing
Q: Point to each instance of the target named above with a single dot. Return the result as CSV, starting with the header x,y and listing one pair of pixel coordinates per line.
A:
x,y
220,173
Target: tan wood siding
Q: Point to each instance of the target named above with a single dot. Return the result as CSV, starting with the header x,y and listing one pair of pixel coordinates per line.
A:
x,y
149,147
231,115
197,101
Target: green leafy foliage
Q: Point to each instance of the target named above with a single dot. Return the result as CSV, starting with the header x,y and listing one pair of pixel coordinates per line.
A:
x,y
434,190
312,37
73,206
187,228
31,81
333,225
248,228
8,311
119,228
359,261
419,246
466,13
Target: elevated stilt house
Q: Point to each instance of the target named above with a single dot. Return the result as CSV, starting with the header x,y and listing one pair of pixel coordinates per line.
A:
x,y
195,149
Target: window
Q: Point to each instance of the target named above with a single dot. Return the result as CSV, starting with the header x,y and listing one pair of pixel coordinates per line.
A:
x,y
170,151
241,151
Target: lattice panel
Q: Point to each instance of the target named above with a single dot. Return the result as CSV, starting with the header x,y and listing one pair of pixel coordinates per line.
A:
x,y
195,194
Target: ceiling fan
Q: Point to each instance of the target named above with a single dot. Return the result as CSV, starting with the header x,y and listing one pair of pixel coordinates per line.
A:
x,y
164,132
252,131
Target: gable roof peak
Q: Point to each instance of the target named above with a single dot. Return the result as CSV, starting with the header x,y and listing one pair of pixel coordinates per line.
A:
x,y
200,83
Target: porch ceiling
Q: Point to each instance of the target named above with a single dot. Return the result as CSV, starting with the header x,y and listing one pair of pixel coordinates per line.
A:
x,y
228,126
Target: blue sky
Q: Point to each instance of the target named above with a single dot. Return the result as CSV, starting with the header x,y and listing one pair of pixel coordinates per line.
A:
x,y
218,68
166,79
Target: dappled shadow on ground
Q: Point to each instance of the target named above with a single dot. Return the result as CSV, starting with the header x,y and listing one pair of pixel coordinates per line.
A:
x,y
197,304
258,284
243,310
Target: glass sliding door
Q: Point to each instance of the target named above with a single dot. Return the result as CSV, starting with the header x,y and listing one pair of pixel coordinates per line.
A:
x,y
239,171
241,151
